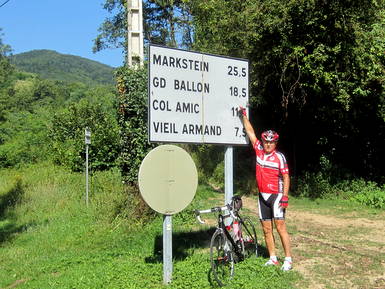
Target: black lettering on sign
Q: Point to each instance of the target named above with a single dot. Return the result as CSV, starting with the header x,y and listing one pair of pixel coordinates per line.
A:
x,y
192,86
159,82
197,129
187,107
164,127
181,63
160,105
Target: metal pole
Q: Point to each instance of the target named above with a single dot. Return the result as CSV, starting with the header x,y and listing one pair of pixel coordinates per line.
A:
x,y
228,177
167,249
87,175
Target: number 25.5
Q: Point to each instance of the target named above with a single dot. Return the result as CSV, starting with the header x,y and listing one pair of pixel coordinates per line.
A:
x,y
234,71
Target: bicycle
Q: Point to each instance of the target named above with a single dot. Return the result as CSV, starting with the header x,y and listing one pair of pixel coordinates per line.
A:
x,y
230,244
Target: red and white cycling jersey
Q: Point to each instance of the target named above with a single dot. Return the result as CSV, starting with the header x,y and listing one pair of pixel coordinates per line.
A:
x,y
269,170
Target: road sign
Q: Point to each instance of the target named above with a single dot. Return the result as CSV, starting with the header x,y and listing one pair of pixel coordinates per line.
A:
x,y
195,97
87,136
168,179
87,140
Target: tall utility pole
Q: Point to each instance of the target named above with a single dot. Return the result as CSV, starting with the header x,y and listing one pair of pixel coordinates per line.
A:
x,y
135,52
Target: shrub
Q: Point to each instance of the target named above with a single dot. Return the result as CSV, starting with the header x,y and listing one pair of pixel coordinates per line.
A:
x,y
313,185
367,193
24,137
357,190
67,134
132,87
374,199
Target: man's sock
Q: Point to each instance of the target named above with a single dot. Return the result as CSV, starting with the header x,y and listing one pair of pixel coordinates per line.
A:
x,y
288,259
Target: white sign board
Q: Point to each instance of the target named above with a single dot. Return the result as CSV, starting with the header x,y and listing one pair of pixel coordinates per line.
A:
x,y
195,97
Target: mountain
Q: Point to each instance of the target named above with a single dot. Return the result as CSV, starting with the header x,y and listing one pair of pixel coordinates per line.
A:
x,y
50,64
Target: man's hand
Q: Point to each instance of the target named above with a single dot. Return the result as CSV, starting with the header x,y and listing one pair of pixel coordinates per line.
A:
x,y
242,111
284,202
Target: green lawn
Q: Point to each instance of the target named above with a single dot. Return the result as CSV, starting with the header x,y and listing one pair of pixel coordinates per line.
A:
x,y
50,239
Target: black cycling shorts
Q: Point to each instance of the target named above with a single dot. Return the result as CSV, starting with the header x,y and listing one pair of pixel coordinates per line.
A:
x,y
269,207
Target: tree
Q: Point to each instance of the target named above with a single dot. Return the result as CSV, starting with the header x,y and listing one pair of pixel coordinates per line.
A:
x,y
132,119
316,72
166,22
317,68
132,87
24,138
5,49
5,66
67,134
6,69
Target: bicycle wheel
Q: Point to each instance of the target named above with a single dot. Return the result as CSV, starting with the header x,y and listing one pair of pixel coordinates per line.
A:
x,y
221,258
249,238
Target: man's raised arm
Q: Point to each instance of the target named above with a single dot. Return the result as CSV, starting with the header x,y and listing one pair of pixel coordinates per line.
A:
x,y
248,127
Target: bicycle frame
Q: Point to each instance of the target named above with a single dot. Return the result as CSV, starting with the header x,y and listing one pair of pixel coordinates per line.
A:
x,y
225,250
221,225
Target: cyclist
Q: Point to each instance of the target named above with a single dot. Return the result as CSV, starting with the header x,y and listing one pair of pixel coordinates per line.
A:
x,y
272,175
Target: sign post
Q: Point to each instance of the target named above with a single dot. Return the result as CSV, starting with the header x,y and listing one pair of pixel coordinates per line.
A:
x,y
228,178
87,140
167,249
168,180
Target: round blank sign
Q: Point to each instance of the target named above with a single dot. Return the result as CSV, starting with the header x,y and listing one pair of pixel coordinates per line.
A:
x,y
168,179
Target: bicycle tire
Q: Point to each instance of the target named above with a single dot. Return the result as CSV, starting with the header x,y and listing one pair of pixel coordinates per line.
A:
x,y
249,238
221,258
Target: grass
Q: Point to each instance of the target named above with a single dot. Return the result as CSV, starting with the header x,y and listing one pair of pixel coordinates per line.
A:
x,y
335,207
51,239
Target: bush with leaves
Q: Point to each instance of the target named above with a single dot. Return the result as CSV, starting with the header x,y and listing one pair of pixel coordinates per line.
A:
x,y
132,87
132,119
24,138
67,134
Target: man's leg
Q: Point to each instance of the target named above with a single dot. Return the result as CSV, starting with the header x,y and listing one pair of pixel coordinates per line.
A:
x,y
285,239
265,215
267,227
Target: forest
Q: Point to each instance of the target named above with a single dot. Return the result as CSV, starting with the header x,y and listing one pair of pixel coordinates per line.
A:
x,y
43,117
68,68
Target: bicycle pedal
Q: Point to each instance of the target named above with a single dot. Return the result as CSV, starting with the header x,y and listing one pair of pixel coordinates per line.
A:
x,y
222,259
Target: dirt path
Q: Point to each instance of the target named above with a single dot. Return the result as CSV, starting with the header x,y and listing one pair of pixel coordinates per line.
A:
x,y
344,251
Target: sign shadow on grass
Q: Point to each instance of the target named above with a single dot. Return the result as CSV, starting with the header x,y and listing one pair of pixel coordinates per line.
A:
x,y
8,200
183,241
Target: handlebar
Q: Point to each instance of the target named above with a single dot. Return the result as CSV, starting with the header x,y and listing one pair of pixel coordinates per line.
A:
x,y
212,210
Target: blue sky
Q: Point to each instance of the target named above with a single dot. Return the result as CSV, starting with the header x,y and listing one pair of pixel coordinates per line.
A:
x,y
66,26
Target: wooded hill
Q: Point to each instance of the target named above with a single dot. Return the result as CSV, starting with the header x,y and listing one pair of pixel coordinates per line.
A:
x,y
50,64
44,92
